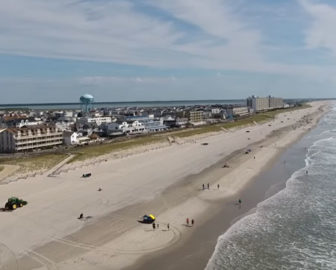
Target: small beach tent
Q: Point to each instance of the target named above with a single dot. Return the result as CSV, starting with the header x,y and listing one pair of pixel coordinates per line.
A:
x,y
148,219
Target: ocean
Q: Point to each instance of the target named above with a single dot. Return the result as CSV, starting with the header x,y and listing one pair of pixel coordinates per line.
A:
x,y
296,227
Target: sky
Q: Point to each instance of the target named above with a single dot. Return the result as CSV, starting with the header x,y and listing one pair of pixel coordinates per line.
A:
x,y
132,50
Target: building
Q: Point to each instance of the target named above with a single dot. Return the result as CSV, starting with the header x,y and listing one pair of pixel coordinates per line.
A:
x,y
196,116
181,122
29,138
259,104
70,138
237,112
155,126
11,120
26,123
275,103
95,120
115,129
240,111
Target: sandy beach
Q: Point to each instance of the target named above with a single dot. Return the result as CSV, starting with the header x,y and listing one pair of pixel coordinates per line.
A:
x,y
166,181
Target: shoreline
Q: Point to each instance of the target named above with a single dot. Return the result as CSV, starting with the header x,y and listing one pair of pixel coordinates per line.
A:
x,y
114,240
195,251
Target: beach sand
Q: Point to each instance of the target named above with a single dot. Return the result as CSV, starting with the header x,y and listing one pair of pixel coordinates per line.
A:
x,y
195,252
166,182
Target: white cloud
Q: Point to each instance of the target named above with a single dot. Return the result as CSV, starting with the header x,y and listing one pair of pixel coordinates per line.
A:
x,y
117,31
240,45
321,33
94,30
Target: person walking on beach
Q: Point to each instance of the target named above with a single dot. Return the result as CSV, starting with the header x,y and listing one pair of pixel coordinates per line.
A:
x,y
157,225
208,186
168,226
81,216
203,186
187,221
217,186
192,222
153,226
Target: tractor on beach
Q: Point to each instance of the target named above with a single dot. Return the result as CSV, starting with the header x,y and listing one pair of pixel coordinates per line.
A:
x,y
14,202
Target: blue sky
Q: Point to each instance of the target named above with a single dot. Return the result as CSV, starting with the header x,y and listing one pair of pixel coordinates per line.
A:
x,y
122,50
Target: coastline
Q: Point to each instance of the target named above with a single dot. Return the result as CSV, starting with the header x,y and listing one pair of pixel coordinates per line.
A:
x,y
195,252
115,240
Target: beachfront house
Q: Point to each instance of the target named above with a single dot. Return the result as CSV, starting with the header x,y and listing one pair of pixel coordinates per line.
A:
x,y
30,138
124,128
70,138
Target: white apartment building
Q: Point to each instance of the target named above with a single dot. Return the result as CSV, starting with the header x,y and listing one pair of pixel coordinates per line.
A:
x,y
96,120
260,104
264,103
29,138
276,103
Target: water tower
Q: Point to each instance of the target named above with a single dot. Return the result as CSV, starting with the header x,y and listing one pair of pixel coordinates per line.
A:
x,y
86,102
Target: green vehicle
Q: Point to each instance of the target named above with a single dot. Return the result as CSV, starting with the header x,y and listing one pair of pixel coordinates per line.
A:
x,y
14,203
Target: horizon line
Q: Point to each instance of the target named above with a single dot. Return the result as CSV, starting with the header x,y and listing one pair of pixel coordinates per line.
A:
x,y
144,101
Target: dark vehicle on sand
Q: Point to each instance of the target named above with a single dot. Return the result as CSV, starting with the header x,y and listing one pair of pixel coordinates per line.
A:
x,y
14,203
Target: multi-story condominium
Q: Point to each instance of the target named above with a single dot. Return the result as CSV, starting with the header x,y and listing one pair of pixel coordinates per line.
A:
x,y
260,104
196,116
275,103
264,103
29,138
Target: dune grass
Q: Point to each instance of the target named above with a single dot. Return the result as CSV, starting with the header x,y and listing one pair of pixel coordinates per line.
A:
x,y
34,162
91,151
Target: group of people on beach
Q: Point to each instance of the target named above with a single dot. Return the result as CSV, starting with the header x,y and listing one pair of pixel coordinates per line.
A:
x,y
192,222
157,226
208,186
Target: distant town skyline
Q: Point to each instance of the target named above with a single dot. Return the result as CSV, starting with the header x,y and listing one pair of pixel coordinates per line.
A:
x,y
156,50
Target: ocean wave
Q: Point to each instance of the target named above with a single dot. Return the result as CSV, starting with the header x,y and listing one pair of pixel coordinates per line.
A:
x,y
295,228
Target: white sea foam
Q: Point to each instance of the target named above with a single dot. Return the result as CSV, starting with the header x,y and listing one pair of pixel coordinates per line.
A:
x,y
295,228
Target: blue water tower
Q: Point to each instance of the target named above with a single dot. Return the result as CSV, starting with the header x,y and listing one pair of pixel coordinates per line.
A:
x,y
86,102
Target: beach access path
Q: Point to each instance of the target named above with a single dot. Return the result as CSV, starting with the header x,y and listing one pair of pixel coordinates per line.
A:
x,y
166,182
